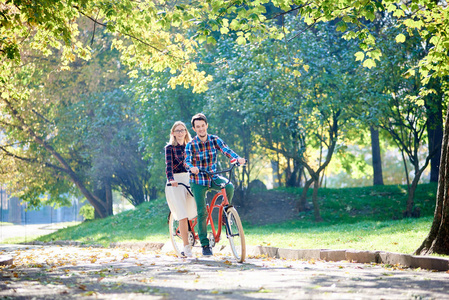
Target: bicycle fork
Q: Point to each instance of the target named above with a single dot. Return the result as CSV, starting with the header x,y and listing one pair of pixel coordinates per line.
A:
x,y
226,221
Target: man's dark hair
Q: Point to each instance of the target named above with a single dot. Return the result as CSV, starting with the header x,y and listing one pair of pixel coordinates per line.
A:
x,y
198,117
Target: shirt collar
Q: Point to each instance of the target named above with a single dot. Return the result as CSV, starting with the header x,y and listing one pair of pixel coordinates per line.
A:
x,y
198,140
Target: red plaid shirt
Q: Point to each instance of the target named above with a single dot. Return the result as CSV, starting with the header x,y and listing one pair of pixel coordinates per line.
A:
x,y
174,160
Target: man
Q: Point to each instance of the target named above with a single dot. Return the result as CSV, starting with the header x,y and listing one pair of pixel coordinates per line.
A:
x,y
201,154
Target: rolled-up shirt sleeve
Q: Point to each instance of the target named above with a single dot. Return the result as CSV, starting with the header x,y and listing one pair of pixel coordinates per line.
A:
x,y
188,162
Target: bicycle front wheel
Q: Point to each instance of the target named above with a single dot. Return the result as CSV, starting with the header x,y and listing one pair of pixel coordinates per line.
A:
x,y
175,236
236,237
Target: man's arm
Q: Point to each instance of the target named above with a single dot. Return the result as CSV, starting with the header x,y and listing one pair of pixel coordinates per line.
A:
x,y
224,148
189,159
188,162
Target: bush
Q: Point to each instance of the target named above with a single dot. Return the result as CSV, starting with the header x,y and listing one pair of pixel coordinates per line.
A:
x,y
87,211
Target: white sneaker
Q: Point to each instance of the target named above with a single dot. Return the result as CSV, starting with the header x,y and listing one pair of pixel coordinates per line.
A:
x,y
188,251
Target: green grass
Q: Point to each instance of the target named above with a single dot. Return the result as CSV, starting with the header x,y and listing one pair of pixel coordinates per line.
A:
x,y
147,222
379,203
367,218
402,236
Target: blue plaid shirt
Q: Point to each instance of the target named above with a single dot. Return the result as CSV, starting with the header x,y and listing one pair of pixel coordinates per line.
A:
x,y
203,155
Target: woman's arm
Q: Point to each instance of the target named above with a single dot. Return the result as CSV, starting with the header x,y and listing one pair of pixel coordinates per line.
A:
x,y
169,163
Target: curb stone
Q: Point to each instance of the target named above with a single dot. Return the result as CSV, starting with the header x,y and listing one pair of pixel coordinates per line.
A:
x,y
333,255
382,257
351,255
6,260
364,257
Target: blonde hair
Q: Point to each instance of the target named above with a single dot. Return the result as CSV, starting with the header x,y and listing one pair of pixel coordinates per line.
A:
x,y
187,137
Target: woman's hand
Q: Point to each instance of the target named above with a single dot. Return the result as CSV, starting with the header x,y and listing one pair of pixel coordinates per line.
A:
x,y
174,183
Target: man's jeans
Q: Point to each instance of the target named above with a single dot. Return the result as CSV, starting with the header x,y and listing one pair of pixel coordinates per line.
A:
x,y
199,192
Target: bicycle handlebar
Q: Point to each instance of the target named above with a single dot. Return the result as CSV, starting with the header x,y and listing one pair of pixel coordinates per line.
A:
x,y
186,186
234,162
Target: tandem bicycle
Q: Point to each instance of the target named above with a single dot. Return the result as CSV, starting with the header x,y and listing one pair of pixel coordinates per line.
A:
x,y
220,214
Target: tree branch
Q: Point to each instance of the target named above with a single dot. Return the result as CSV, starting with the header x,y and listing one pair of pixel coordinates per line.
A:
x,y
95,201
165,52
32,160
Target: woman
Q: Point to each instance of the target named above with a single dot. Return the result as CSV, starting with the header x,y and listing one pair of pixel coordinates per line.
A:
x,y
182,205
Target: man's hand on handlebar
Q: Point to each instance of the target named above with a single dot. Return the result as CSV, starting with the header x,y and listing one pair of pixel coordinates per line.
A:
x,y
238,162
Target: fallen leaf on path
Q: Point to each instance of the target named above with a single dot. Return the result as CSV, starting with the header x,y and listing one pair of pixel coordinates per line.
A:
x,y
89,293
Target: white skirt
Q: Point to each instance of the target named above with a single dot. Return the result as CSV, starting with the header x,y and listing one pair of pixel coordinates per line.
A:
x,y
182,205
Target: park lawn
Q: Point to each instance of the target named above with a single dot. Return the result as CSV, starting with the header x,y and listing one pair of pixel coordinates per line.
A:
x,y
403,236
347,225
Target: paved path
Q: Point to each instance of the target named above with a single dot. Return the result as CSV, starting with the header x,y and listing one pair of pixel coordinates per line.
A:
x,y
29,232
67,272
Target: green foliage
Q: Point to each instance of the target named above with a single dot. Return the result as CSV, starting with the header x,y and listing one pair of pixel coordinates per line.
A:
x,y
87,212
376,203
289,98
83,126
159,107
269,87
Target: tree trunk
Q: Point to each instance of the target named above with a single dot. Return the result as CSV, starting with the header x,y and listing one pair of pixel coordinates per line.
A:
x,y
435,138
288,172
104,192
302,204
95,202
316,207
295,177
434,108
109,199
153,193
377,160
276,175
437,240
409,211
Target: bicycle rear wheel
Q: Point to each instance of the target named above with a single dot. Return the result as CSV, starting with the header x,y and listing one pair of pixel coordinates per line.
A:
x,y
235,235
175,236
